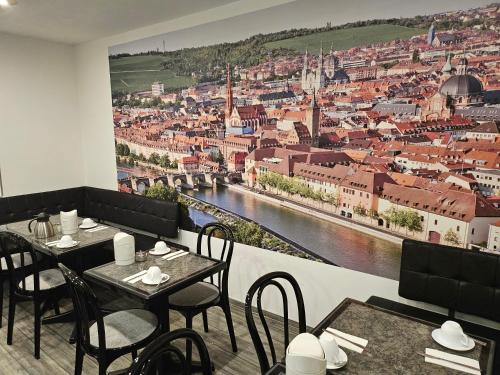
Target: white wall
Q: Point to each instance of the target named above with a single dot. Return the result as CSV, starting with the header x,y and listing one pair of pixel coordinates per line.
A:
x,y
95,91
323,286
40,145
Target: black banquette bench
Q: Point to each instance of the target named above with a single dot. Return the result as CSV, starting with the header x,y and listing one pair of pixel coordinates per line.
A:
x,y
159,218
457,279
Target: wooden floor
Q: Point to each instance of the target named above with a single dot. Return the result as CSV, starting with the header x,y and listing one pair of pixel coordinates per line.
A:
x,y
57,355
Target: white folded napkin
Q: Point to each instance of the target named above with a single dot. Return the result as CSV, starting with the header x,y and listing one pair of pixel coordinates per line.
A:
x,y
438,357
179,255
135,275
170,255
348,341
96,229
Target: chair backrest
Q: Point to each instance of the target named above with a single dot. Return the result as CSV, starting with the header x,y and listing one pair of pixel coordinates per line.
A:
x,y
86,309
15,246
223,233
258,287
162,346
455,278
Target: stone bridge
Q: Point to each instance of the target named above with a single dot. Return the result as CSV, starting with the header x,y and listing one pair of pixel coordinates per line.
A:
x,y
184,180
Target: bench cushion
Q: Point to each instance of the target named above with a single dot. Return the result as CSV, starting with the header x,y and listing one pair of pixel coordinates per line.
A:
x,y
134,211
454,278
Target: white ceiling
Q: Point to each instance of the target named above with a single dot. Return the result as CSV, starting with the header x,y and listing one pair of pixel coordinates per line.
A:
x,y
77,21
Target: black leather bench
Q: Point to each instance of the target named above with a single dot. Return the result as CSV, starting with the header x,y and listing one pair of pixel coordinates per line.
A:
x,y
157,217
457,279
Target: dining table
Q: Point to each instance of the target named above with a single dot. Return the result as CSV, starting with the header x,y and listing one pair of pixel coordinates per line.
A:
x,y
396,343
183,270
86,238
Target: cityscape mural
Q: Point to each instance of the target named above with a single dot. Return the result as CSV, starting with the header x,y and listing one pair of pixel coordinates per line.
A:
x,y
330,136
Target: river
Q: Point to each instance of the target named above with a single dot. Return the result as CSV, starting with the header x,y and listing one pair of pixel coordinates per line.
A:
x,y
343,246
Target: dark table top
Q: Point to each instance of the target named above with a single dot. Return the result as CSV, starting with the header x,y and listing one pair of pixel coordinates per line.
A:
x,y
394,342
183,271
86,239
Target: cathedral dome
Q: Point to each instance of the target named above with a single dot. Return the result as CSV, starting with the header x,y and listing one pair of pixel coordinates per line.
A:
x,y
464,85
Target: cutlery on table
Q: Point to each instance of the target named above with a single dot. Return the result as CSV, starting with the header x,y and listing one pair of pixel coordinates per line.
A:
x,y
96,229
179,255
168,256
348,341
134,276
448,362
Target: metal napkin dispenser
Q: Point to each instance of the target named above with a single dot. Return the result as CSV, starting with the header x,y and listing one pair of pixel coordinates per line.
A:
x,y
124,248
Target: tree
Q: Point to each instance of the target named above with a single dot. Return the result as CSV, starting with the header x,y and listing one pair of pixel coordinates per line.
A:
x,y
247,233
360,210
416,56
452,237
154,158
165,161
122,149
219,158
373,214
174,164
162,192
413,221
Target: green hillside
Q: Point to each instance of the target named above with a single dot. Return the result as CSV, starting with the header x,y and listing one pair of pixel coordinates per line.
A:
x,y
137,73
347,38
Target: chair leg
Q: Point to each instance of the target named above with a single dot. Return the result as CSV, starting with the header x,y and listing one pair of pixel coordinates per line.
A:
x,y
134,354
189,345
12,315
205,320
103,366
38,328
229,319
57,310
79,359
1,300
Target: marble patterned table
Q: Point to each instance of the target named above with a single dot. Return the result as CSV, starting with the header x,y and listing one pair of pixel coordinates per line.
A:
x,y
183,271
394,342
86,239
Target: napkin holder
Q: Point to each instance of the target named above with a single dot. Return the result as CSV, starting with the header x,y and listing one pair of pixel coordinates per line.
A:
x,y
305,356
69,222
124,249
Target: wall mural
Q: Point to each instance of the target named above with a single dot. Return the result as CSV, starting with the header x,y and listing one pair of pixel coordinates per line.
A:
x,y
324,129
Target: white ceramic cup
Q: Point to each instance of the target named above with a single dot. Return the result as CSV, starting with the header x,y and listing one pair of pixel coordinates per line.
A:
x,y
66,240
154,274
330,347
87,222
160,246
452,332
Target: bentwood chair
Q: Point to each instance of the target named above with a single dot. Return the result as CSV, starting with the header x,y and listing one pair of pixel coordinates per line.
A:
x,y
18,260
274,279
162,349
106,338
28,282
199,297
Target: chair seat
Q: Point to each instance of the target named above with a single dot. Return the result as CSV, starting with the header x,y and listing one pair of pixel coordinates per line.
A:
x,y
49,279
16,260
196,295
125,328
